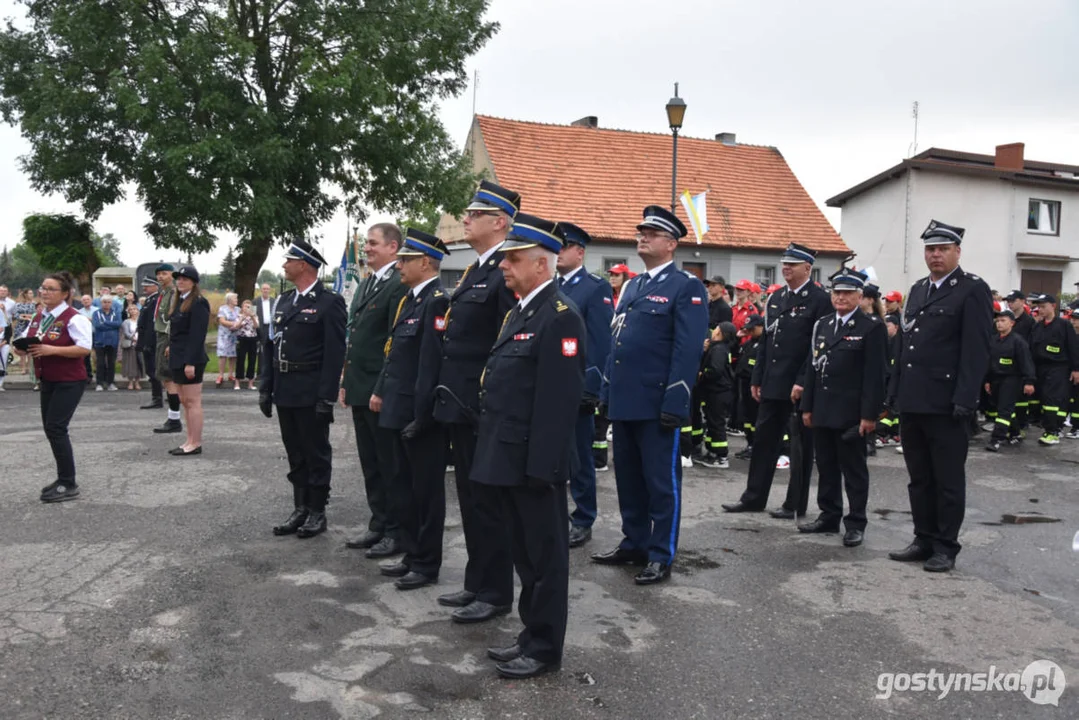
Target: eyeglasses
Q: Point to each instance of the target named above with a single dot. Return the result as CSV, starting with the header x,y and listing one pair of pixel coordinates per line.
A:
x,y
652,236
473,214
48,289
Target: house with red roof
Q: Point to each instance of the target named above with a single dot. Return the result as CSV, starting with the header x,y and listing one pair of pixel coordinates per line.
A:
x,y
601,179
1020,234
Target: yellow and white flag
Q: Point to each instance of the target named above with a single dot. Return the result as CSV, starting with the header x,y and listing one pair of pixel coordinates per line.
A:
x,y
697,212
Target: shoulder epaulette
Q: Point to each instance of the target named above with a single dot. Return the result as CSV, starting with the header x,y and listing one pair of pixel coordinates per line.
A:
x,y
437,293
560,306
597,277
972,276
688,274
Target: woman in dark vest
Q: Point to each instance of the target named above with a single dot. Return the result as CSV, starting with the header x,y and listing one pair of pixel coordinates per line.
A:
x,y
62,339
188,323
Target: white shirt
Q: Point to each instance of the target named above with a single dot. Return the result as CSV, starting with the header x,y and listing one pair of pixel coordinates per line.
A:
x,y
654,272
419,288
940,282
843,318
487,255
9,307
569,275
800,286
528,298
79,328
383,271
304,293
265,309
184,296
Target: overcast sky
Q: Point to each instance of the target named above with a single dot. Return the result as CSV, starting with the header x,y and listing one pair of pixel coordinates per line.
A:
x,y
830,84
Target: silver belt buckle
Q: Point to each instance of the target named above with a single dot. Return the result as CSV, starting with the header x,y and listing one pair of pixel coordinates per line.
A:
x,y
282,365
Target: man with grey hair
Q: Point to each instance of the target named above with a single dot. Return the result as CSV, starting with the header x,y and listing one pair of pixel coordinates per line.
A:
x,y
526,453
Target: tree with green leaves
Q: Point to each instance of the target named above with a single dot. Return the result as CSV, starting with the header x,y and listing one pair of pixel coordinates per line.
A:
x,y
26,270
62,242
259,117
7,266
226,279
108,249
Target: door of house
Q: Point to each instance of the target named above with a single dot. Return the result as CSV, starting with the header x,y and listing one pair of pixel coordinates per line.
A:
x,y
1042,281
697,268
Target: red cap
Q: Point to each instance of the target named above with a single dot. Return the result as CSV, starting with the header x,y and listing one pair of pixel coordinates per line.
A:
x,y
743,285
894,296
772,288
620,269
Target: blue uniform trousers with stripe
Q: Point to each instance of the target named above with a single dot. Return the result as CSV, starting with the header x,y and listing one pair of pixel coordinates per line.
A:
x,y
648,473
582,486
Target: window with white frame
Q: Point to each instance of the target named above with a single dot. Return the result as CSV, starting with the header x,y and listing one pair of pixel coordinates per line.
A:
x,y
814,275
764,275
1043,217
609,262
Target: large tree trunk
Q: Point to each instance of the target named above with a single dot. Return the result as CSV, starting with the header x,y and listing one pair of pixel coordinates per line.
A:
x,y
248,263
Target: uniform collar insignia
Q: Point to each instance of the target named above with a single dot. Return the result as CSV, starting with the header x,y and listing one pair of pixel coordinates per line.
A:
x,y
952,282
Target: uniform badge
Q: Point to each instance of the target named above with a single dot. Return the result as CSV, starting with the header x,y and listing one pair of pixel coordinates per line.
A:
x,y
695,300
576,280
569,347
657,299
952,282
309,311
440,323
662,277
524,336
489,262
480,286
804,293
606,301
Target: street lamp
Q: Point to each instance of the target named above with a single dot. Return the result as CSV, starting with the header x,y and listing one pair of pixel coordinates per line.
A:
x,y
676,112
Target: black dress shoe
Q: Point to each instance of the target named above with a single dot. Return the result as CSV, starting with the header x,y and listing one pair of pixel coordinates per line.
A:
x,y
654,572
170,426
397,569
912,553
414,580
478,611
383,548
364,541
817,526
178,452
523,667
578,536
782,514
739,507
853,538
621,556
152,405
457,599
504,654
939,562
58,492
294,522
315,525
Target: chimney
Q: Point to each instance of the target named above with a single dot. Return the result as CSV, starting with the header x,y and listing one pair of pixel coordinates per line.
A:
x,y
727,138
1009,157
588,121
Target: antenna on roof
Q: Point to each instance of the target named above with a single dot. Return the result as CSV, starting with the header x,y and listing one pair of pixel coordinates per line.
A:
x,y
475,87
913,147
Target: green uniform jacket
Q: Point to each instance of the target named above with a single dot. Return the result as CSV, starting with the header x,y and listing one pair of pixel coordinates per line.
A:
x,y
164,309
370,323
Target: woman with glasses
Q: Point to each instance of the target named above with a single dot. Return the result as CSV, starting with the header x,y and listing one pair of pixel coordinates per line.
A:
x,y
188,324
58,338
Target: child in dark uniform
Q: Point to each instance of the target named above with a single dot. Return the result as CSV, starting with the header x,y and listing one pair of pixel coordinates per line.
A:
x,y
715,383
743,373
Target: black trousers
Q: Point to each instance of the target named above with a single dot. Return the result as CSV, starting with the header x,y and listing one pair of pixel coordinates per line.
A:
x,y
148,359
89,368
247,351
375,446
599,441
747,410
538,518
1004,393
716,408
106,364
935,450
692,433
421,475
307,443
841,464
1054,390
489,571
775,419
58,403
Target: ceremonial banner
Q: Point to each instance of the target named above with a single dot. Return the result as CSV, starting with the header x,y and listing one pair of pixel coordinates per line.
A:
x,y
697,212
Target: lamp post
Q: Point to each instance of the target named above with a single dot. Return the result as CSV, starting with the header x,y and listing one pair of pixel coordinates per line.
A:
x,y
676,112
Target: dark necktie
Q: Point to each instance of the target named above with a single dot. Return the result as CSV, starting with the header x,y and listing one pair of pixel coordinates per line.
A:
x,y
932,289
561,281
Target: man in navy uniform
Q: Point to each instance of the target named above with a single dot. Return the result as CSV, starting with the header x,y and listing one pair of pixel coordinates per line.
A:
x,y
659,331
404,394
844,393
477,308
778,380
593,299
935,385
146,345
300,372
532,386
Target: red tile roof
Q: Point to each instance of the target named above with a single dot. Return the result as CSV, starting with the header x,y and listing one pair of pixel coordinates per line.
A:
x,y
601,180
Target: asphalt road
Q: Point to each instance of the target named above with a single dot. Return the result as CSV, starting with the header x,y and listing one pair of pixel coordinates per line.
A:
x,y
162,594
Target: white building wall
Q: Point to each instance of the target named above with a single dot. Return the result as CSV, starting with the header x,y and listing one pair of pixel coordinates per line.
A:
x,y
873,225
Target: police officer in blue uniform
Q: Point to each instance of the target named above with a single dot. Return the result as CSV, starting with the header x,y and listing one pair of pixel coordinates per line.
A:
x,y
844,394
477,308
778,380
300,370
406,390
660,326
591,295
532,389
947,324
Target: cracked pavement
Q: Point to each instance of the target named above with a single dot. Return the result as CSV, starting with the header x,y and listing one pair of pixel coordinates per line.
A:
x,y
161,593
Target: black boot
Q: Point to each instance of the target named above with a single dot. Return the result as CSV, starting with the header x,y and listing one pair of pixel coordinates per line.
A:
x,y
297,518
170,426
154,403
316,513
